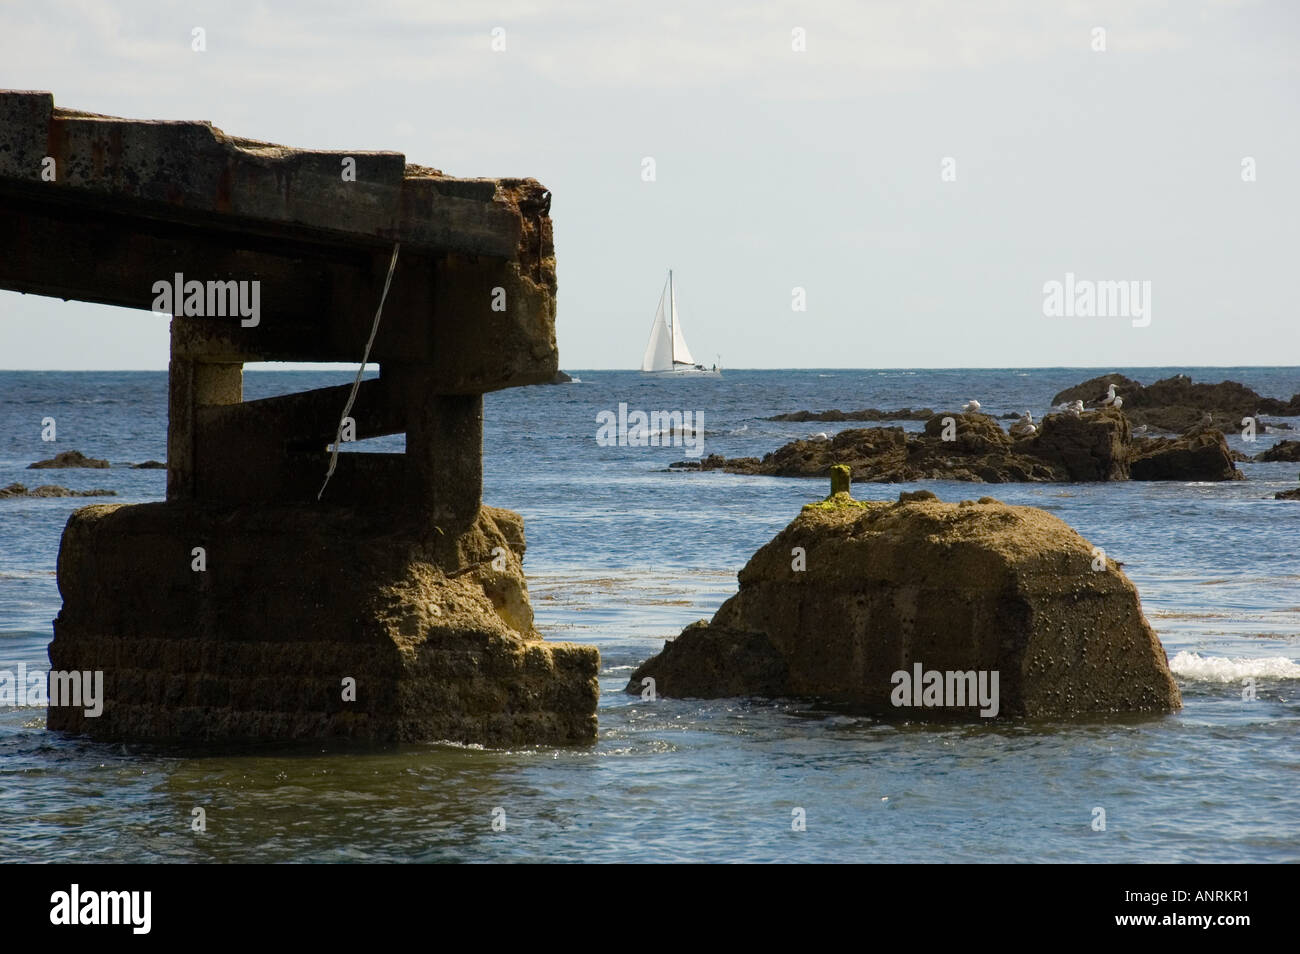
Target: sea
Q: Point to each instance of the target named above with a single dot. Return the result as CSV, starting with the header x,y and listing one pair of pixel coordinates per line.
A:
x,y
623,553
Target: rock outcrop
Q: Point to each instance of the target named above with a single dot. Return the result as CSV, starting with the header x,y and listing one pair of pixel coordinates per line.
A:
x,y
68,459
260,639
1200,455
1094,446
1281,451
955,446
853,593
1178,404
52,490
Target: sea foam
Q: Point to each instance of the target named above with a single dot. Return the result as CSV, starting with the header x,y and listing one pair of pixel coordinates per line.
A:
x,y
1222,669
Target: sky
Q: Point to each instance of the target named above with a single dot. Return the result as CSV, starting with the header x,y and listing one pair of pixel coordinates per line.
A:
x,y
920,170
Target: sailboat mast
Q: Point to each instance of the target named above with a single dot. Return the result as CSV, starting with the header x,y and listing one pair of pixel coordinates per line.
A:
x,y
672,313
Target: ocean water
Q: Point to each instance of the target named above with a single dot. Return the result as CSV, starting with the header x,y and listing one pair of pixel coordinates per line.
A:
x,y
623,553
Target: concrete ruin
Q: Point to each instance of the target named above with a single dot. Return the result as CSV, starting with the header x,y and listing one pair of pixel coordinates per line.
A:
x,y
243,607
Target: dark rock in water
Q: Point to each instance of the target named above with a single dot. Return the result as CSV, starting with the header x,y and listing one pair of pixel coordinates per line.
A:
x,y
560,378
1177,404
880,589
150,465
1287,494
1281,451
1095,446
68,459
1238,457
1200,456
866,414
1092,447
50,490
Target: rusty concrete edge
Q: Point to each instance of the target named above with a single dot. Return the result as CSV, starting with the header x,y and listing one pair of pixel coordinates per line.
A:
x,y
281,185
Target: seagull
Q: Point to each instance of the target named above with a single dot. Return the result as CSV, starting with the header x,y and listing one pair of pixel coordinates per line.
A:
x,y
821,436
1207,419
1072,408
1110,396
1024,427
1140,429
1119,402
970,406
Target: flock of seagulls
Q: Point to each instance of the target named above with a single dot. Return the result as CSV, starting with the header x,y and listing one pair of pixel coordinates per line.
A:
x,y
1025,427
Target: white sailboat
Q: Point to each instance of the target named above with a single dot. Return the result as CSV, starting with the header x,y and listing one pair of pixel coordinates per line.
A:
x,y
666,352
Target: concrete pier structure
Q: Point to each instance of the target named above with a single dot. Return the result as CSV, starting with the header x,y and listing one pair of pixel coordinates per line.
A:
x,y
397,578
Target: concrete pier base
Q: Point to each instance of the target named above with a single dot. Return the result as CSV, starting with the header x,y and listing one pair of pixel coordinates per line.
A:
x,y
393,605
434,631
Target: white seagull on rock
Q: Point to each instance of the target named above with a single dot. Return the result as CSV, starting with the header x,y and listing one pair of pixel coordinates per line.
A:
x,y
970,406
1110,397
1024,427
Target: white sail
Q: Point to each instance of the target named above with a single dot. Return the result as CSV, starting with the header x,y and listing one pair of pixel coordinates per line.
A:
x,y
681,353
659,350
667,350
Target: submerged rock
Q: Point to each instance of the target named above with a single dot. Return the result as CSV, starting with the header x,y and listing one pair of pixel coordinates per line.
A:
x,y
51,490
866,414
1202,455
149,465
853,593
68,459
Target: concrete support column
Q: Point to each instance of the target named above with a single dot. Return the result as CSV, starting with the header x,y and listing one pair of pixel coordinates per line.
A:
x,y
444,449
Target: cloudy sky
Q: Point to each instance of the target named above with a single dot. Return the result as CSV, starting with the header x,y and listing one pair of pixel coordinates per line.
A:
x,y
821,169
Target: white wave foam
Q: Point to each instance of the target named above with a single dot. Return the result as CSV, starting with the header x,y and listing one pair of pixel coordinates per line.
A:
x,y
1222,669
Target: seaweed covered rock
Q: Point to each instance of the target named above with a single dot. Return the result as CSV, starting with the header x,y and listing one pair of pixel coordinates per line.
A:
x,y
852,594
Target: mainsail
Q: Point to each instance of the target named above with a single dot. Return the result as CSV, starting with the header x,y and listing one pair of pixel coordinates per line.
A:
x,y
666,349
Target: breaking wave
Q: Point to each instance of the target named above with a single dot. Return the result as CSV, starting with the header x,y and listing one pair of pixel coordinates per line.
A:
x,y
1222,669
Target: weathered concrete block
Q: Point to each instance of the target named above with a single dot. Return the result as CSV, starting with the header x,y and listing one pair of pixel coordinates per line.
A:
x,y
292,603
971,587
